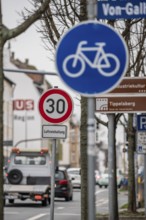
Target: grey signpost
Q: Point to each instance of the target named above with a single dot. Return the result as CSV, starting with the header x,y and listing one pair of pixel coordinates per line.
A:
x,y
91,77
91,151
55,106
112,192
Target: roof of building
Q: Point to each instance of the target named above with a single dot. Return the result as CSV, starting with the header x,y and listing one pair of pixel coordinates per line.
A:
x,y
37,78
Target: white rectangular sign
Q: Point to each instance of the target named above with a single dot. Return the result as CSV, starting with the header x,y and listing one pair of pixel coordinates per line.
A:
x,y
54,131
141,142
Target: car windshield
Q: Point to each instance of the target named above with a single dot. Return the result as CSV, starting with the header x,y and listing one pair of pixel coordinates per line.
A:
x,y
119,172
59,175
75,172
105,175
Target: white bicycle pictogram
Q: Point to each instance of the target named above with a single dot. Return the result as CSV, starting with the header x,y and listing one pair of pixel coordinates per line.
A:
x,y
101,61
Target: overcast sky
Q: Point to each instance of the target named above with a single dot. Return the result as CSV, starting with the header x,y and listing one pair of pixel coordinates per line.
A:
x,y
29,45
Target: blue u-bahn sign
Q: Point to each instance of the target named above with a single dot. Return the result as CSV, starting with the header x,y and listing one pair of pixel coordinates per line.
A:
x,y
121,9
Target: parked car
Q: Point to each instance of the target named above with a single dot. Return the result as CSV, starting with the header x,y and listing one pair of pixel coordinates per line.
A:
x,y
104,179
63,184
97,176
75,176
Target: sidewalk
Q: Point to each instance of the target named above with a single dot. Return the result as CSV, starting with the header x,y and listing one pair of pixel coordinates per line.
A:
x,y
138,216
123,218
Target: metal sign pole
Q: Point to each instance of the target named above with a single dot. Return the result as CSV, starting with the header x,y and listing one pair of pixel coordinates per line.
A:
x,y
50,111
145,183
112,189
53,178
91,9
91,159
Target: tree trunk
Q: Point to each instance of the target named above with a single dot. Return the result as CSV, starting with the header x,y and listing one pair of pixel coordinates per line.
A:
x,y
83,150
112,164
131,170
1,117
83,137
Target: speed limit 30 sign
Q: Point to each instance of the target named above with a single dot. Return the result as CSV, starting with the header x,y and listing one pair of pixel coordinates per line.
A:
x,y
55,106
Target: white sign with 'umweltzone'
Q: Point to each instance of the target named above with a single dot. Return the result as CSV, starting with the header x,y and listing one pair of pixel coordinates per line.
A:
x,y
54,131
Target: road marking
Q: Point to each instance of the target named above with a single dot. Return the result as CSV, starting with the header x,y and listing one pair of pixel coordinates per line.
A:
x,y
60,208
37,216
62,214
68,214
100,191
101,202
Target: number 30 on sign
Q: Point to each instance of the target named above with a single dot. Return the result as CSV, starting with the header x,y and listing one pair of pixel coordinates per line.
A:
x,y
55,106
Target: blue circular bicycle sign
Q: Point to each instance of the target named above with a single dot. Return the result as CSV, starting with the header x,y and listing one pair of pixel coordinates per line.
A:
x,y
92,58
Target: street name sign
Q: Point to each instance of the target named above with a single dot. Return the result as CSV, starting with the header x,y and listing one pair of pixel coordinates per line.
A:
x,y
55,105
130,86
121,9
54,131
118,104
141,133
92,58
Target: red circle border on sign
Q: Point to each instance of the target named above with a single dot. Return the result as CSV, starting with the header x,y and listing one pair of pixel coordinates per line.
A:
x,y
68,99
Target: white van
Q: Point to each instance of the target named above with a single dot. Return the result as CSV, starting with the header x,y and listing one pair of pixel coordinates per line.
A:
x,y
28,175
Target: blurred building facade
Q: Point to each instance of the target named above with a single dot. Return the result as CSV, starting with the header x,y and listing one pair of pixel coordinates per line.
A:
x,y
22,119
21,95
74,142
9,87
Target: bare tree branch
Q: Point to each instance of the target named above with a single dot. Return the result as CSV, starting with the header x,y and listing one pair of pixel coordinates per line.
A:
x,y
99,121
27,23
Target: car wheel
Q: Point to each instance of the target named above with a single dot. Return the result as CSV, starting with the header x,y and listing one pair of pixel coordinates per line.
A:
x,y
45,202
4,202
71,197
15,176
11,201
100,186
23,199
67,198
49,200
